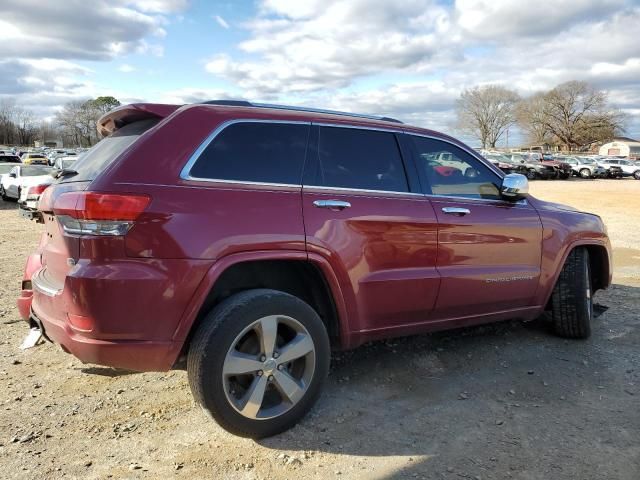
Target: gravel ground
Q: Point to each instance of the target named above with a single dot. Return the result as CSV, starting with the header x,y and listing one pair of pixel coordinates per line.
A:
x,y
501,401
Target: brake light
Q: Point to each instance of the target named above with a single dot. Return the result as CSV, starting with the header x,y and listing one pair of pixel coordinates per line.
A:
x,y
95,213
37,189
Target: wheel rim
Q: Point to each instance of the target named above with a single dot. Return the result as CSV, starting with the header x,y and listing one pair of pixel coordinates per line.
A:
x,y
585,173
269,367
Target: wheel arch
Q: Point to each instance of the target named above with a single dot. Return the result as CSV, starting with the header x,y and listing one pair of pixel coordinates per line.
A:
x,y
308,278
599,263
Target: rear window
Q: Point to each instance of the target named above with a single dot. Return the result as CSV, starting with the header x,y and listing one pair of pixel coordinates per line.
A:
x,y
255,152
9,158
101,155
34,170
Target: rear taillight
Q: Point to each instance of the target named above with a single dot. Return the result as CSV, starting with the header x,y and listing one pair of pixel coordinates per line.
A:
x,y
95,213
34,192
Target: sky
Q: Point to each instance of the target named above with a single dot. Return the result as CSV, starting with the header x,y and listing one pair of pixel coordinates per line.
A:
x,y
409,59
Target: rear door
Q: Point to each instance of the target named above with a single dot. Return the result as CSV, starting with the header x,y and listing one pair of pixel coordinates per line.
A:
x,y
374,227
489,250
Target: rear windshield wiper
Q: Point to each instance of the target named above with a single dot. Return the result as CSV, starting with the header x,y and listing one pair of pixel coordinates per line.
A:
x,y
66,172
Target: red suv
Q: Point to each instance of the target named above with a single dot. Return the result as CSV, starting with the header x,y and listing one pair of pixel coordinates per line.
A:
x,y
250,240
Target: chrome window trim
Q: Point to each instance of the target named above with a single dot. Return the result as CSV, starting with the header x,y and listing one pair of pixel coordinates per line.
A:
x,y
185,173
363,190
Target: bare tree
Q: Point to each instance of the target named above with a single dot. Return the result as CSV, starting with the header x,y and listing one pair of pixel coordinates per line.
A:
x,y
572,114
487,112
7,115
530,115
78,119
26,126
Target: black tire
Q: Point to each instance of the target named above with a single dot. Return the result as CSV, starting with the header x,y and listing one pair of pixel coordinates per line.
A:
x,y
3,194
636,174
572,297
585,173
217,334
531,174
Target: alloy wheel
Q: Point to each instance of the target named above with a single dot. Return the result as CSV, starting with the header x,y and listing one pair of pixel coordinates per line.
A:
x,y
269,367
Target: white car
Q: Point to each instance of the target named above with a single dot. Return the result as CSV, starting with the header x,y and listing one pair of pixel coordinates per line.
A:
x,y
629,169
21,177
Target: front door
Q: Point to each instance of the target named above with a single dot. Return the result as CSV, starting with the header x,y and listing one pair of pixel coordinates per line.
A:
x,y
489,249
379,237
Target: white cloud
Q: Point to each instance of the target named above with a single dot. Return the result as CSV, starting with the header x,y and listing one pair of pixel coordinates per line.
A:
x,y
308,46
221,21
126,68
77,29
496,19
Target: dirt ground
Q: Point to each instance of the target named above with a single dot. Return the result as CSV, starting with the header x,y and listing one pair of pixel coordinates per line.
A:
x,y
501,401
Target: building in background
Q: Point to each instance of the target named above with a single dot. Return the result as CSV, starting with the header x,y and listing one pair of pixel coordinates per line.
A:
x,y
621,147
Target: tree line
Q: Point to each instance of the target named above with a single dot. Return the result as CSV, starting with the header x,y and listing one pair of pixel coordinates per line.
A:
x,y
571,116
74,124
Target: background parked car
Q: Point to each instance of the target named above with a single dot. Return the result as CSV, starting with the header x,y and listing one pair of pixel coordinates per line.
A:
x,y
64,162
585,167
9,158
5,168
21,177
505,163
534,168
30,158
629,169
563,170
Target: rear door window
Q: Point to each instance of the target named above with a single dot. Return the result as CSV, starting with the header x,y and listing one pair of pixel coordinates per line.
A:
x,y
101,155
359,159
263,152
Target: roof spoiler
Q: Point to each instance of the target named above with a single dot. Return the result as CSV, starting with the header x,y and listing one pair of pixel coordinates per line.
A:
x,y
121,116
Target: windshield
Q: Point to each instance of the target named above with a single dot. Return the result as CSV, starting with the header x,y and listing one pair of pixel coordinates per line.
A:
x,y
100,156
34,170
588,161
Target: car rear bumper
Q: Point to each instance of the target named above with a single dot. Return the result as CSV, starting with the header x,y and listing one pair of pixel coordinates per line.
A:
x,y
140,356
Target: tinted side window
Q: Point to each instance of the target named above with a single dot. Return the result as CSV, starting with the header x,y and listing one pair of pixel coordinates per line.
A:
x,y
255,152
356,158
451,171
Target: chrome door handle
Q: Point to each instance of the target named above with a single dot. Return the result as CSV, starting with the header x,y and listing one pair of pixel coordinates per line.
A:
x,y
456,211
331,204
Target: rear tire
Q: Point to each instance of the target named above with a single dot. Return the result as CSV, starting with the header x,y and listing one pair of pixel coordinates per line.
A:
x,y
531,174
3,194
572,297
251,386
636,174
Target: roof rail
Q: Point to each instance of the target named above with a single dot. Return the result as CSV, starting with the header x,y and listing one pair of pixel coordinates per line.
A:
x,y
244,103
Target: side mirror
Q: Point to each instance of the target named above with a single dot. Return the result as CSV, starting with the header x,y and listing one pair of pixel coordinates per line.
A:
x,y
12,175
514,187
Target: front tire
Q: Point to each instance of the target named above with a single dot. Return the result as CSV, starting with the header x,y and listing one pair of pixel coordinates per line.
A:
x,y
585,173
636,174
258,362
572,297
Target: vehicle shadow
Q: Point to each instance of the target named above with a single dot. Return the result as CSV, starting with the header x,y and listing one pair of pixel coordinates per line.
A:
x,y
8,205
484,401
107,371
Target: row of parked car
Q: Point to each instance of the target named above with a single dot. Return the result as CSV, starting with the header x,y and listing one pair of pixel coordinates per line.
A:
x,y
538,166
24,182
